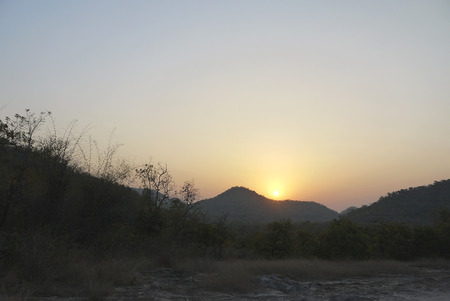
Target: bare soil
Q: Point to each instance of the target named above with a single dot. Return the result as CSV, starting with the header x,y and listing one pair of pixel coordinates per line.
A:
x,y
161,284
168,284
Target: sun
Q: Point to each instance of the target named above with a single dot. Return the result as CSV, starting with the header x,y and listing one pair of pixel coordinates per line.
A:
x,y
276,193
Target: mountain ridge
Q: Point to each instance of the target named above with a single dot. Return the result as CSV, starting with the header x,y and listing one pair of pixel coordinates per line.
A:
x,y
245,205
414,205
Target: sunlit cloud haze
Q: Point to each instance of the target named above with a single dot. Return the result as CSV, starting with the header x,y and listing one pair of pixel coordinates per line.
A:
x,y
338,102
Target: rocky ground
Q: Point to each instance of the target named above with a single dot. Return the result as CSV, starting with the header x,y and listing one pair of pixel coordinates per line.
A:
x,y
168,284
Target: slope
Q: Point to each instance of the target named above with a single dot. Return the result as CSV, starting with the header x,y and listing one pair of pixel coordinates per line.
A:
x,y
415,205
244,205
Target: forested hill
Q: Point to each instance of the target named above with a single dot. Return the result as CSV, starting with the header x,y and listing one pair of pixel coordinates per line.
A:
x,y
244,205
415,205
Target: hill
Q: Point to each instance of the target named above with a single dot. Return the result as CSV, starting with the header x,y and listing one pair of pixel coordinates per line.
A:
x,y
244,205
346,211
415,205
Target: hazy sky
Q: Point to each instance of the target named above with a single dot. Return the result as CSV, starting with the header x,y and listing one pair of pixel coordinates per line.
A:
x,y
338,102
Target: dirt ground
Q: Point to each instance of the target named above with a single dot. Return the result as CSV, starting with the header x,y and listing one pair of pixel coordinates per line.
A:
x,y
163,284
168,284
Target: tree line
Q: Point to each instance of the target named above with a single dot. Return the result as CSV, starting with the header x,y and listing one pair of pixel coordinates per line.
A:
x,y
343,239
61,192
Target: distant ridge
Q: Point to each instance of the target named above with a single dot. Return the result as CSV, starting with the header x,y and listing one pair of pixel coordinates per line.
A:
x,y
415,205
348,210
244,205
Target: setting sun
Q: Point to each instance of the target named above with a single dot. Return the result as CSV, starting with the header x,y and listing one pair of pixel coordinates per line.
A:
x,y
276,193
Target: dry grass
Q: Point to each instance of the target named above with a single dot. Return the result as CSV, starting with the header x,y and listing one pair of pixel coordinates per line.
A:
x,y
79,273
97,279
75,273
326,270
11,290
432,263
232,277
241,275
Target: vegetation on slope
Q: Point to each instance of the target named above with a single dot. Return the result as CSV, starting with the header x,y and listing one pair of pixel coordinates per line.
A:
x,y
240,204
420,205
70,227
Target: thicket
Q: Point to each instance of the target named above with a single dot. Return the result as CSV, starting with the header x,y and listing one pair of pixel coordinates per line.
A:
x,y
343,239
63,204
413,205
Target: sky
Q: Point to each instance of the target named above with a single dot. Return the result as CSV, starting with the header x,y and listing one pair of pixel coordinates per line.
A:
x,y
337,102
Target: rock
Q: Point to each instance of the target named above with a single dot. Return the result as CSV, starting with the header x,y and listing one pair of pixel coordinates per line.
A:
x,y
284,285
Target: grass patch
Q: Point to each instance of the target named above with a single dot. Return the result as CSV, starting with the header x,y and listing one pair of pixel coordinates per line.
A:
x,y
326,270
74,273
432,263
80,273
98,278
230,277
242,275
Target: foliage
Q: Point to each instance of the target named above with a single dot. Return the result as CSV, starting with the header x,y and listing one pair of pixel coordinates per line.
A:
x,y
306,243
415,205
279,240
344,239
53,205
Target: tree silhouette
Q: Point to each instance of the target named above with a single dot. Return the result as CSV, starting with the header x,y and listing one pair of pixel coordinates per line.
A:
x,y
158,186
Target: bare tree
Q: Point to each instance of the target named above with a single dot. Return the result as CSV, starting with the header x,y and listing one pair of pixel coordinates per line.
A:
x,y
105,164
183,207
157,183
188,195
21,130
